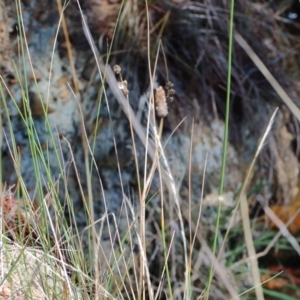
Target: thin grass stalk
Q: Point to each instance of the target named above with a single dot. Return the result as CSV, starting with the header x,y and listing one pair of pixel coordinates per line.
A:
x,y
104,79
134,151
124,104
269,77
37,147
173,191
7,275
131,245
89,207
46,116
27,118
142,201
34,143
25,98
90,196
112,82
59,250
84,143
1,193
191,241
134,224
250,246
97,58
225,142
68,44
269,279
245,216
142,204
148,181
163,233
36,150
92,224
246,181
166,257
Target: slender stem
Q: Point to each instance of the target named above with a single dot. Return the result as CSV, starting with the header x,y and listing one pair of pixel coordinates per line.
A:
x,y
225,142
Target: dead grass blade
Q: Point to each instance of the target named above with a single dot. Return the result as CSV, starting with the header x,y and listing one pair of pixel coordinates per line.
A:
x,y
246,219
281,226
271,79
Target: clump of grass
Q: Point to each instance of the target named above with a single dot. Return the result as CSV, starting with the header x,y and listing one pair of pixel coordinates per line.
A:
x,y
109,260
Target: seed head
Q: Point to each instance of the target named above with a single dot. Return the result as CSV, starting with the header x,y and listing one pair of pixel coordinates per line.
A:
x,y
123,86
169,85
117,69
170,92
161,102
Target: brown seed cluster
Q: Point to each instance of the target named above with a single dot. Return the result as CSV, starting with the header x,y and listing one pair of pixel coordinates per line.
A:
x,y
162,94
161,102
161,97
122,84
117,69
170,91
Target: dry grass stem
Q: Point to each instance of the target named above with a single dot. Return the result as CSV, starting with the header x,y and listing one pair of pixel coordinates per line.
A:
x,y
245,215
271,79
281,226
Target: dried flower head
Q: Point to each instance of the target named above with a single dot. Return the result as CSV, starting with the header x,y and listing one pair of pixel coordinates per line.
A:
x,y
169,85
161,102
123,86
117,69
170,92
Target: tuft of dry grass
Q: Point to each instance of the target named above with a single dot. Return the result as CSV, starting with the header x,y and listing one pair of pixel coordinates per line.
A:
x,y
30,273
146,233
